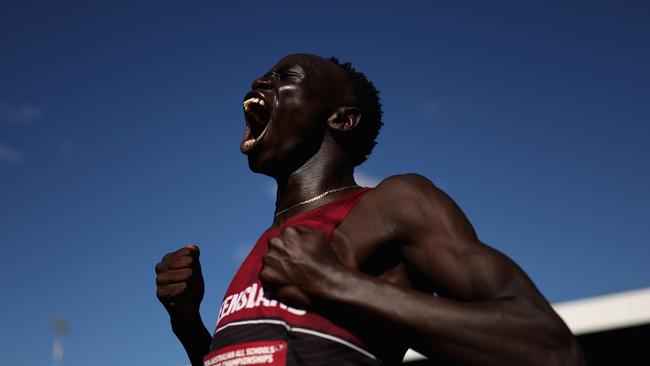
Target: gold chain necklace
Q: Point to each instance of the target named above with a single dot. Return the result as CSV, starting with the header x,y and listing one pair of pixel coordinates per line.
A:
x,y
315,198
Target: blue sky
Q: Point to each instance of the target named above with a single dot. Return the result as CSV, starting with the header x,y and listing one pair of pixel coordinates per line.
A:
x,y
120,124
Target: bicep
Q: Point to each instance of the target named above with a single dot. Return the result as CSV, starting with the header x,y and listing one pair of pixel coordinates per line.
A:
x,y
467,271
442,250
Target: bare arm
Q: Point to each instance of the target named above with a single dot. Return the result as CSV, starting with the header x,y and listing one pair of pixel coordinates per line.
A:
x,y
488,311
180,289
194,337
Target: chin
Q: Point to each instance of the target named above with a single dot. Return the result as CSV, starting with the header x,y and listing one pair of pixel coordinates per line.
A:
x,y
278,163
253,165
273,169
257,166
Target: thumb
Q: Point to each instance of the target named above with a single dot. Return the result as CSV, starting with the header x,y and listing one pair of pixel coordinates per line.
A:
x,y
194,249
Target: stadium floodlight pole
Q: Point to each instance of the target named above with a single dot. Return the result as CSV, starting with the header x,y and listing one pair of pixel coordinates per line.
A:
x,y
60,326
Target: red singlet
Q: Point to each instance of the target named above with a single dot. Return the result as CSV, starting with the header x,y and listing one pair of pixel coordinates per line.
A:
x,y
254,330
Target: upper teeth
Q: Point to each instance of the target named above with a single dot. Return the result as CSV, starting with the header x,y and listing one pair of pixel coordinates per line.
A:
x,y
248,102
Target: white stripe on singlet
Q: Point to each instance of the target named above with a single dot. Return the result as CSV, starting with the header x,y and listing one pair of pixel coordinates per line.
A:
x,y
299,330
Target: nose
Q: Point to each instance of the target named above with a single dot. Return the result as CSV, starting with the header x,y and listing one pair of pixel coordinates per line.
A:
x,y
261,83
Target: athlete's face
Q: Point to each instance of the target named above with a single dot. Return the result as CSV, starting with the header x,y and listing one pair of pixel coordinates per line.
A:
x,y
286,113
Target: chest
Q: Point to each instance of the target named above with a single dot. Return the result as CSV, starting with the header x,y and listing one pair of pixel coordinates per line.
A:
x,y
365,241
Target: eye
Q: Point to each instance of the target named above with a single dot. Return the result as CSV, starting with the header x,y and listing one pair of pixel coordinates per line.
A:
x,y
292,73
288,73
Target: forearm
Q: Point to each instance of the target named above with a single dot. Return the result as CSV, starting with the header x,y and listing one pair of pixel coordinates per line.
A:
x,y
194,337
495,332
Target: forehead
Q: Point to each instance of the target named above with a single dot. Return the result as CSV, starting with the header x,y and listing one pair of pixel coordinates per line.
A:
x,y
311,64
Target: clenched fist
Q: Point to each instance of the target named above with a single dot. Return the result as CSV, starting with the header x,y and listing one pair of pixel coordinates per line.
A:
x,y
179,282
300,266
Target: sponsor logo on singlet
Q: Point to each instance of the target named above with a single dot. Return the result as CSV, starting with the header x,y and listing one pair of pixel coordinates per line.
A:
x,y
273,353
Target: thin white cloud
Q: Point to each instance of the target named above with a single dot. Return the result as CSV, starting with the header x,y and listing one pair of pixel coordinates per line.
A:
x,y
10,155
366,180
66,148
20,114
239,252
271,189
430,105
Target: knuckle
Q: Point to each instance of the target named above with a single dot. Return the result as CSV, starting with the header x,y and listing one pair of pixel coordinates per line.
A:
x,y
267,259
169,255
186,274
162,294
174,254
177,289
189,261
264,274
302,229
181,262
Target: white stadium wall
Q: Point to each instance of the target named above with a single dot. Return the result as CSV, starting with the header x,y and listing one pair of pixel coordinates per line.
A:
x,y
613,329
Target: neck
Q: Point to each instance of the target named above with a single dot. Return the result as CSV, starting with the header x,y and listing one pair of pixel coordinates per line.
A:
x,y
314,177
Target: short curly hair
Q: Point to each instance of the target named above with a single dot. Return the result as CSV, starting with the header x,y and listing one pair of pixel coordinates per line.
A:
x,y
361,93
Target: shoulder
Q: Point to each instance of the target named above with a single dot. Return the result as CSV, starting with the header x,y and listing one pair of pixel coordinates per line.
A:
x,y
412,203
410,181
407,189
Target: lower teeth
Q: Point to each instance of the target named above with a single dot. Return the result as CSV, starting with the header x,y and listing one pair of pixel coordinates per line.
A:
x,y
249,143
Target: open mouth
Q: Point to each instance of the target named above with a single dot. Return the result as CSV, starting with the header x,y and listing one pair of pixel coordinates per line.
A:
x,y
257,117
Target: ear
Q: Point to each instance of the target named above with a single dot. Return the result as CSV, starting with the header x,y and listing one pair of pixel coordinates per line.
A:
x,y
344,119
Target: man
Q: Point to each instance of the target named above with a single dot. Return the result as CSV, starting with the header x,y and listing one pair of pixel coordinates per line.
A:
x,y
347,275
